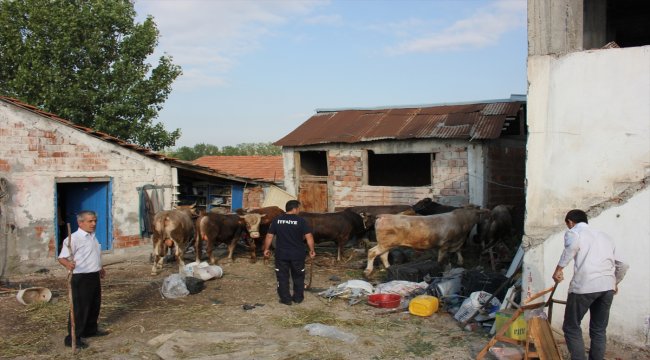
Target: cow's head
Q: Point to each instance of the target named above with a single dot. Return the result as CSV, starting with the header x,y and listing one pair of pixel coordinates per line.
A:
x,y
368,220
252,222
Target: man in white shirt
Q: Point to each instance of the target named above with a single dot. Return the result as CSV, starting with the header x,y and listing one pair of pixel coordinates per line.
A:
x,y
83,258
597,272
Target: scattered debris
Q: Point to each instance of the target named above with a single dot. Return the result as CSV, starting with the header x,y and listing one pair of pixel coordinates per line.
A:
x,y
355,290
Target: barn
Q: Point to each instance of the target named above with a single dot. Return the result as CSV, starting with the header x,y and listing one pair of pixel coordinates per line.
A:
x,y
454,153
267,171
51,168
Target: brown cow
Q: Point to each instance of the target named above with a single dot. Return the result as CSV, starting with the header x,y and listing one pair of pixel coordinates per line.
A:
x,y
218,228
371,212
268,214
172,228
447,232
338,226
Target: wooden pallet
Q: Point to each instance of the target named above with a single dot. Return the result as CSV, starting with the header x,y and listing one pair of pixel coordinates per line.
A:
x,y
539,343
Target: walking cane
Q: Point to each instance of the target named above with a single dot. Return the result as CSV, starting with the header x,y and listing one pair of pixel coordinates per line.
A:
x,y
73,334
311,273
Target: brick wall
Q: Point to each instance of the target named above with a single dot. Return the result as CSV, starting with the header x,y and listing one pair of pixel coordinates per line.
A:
x,y
35,152
347,188
253,197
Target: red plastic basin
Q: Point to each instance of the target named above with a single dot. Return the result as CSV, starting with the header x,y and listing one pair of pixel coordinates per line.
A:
x,y
384,300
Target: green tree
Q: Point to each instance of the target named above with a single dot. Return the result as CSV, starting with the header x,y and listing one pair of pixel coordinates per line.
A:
x,y
198,150
85,60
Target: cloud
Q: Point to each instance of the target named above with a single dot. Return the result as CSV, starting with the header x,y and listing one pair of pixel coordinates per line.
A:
x,y
206,38
334,19
483,28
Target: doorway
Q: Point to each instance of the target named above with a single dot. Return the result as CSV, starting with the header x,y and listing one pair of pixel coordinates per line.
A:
x,y
72,197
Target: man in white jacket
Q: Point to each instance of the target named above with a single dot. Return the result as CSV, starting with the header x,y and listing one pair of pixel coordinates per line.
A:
x,y
597,272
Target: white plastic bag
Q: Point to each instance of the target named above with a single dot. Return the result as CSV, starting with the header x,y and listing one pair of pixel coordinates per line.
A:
x,y
174,287
330,332
474,302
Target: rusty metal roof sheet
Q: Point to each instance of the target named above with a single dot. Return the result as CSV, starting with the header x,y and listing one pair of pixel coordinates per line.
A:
x,y
133,147
482,120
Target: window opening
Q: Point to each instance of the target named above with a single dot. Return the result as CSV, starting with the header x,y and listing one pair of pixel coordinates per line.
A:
x,y
399,169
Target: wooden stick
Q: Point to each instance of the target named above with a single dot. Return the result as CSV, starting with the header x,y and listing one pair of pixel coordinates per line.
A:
x,y
311,273
541,293
73,334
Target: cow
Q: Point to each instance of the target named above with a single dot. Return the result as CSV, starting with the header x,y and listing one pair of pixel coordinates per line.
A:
x,y
172,228
447,232
371,212
338,226
497,227
268,213
216,228
427,206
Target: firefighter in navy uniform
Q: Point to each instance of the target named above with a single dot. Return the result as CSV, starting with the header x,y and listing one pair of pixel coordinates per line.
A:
x,y
291,231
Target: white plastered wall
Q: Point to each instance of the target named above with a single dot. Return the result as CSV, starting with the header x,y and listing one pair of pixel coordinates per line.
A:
x,y
589,148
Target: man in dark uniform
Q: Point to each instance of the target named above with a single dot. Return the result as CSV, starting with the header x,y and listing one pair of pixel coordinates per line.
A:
x,y
291,231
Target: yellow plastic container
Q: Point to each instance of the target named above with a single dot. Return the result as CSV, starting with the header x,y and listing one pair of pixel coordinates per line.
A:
x,y
423,305
516,330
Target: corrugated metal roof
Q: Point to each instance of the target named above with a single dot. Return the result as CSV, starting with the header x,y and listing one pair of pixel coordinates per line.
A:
x,y
451,121
133,147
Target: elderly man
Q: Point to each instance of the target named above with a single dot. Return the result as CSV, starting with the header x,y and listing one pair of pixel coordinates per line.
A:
x,y
597,272
83,258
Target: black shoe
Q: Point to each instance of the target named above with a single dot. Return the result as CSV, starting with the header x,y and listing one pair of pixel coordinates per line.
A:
x,y
297,301
286,302
80,344
96,334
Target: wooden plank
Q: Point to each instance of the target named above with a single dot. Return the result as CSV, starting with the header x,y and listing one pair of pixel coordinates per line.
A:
x,y
542,336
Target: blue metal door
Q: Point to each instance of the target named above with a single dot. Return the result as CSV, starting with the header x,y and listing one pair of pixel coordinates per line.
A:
x,y
94,196
237,197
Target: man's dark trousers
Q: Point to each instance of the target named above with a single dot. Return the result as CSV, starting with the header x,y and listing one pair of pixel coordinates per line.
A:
x,y
296,270
577,305
86,297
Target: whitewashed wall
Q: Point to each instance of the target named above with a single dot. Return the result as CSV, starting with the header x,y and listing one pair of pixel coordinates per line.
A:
x,y
34,151
589,148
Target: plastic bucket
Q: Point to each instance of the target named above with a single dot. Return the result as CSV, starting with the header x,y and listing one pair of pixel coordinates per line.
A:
x,y
34,295
384,300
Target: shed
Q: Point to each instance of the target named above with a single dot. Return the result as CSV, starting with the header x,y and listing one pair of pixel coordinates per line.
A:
x,y
454,153
266,170
51,168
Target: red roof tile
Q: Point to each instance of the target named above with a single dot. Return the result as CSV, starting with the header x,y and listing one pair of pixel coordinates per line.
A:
x,y
268,168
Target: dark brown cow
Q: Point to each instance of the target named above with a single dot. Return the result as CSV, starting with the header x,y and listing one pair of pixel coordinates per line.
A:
x,y
496,227
427,206
218,228
447,232
338,226
172,228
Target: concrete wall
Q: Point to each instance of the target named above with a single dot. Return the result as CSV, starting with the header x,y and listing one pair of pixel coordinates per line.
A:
x,y
589,148
555,27
34,152
454,162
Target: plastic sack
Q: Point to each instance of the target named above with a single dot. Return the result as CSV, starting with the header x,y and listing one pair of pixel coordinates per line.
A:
x,y
194,285
401,287
331,332
174,287
474,302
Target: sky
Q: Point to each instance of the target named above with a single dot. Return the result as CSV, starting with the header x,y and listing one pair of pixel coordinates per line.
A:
x,y
253,71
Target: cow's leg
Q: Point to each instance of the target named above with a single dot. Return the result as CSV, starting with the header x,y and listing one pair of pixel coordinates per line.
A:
x,y
251,243
209,244
178,252
460,257
339,251
372,254
384,259
157,259
233,243
197,246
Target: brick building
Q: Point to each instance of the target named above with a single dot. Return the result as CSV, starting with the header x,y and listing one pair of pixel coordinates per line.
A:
x,y
51,168
454,153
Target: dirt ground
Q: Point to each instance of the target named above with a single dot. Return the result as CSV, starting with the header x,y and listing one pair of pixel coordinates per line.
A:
x,y
213,324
